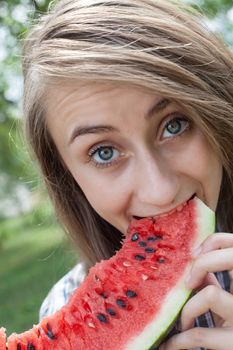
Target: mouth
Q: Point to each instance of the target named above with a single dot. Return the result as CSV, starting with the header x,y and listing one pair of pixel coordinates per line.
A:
x,y
177,208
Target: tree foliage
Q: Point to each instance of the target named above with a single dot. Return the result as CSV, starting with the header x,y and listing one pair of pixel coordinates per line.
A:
x,y
15,169
220,14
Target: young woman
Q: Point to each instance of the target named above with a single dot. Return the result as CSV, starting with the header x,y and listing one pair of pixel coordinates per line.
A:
x,y
129,110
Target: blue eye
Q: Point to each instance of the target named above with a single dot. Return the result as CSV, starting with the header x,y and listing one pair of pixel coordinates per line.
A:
x,y
104,155
175,127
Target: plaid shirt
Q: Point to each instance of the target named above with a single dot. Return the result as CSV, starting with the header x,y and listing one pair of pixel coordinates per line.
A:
x,y
60,293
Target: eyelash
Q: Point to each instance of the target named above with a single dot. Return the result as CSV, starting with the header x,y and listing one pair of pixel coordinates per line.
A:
x,y
173,117
97,148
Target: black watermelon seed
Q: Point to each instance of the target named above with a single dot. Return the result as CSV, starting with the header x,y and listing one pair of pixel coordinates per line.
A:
x,y
121,303
49,332
111,312
31,347
161,260
142,244
131,294
102,318
154,238
50,335
150,250
139,257
135,237
19,347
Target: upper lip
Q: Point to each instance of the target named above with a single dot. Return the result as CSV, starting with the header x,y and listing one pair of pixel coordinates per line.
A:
x,y
180,205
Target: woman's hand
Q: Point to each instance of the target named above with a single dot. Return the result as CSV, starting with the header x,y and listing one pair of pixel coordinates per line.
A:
x,y
215,254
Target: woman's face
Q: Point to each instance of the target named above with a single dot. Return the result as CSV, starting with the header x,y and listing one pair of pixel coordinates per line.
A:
x,y
131,152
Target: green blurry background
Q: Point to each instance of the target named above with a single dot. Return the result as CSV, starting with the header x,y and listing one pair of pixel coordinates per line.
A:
x,y
34,252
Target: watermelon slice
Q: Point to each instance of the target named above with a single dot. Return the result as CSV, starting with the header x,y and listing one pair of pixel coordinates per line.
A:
x,y
130,301
2,339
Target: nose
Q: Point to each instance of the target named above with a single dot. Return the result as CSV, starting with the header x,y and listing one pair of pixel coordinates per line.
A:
x,y
156,182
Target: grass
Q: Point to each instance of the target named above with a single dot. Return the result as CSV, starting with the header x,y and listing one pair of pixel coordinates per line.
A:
x,y
32,258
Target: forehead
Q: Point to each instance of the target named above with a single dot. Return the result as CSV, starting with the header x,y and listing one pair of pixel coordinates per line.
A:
x,y
75,106
81,99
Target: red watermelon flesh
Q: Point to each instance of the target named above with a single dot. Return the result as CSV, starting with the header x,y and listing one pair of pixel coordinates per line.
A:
x,y
129,301
2,339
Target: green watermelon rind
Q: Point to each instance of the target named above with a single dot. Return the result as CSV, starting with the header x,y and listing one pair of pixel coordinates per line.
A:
x,y
166,331
179,295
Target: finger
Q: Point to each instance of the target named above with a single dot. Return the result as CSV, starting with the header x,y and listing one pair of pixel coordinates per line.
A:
x,y
217,260
210,298
209,279
218,240
210,338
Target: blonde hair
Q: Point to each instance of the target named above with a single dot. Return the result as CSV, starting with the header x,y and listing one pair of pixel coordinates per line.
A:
x,y
158,45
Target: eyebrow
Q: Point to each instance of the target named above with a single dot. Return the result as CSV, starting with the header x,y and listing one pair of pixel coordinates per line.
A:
x,y
99,129
158,107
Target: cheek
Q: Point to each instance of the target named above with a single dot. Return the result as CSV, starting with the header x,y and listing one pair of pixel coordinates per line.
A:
x,y
204,166
193,156
106,194
206,163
